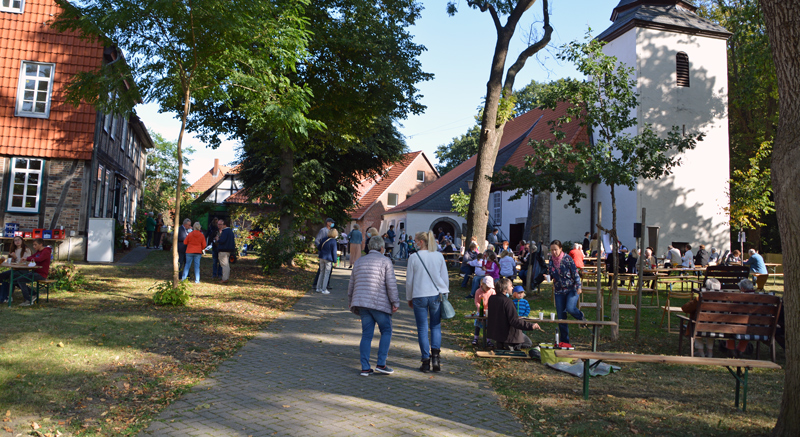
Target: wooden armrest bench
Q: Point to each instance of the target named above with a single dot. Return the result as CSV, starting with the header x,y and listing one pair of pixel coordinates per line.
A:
x,y
739,375
595,324
733,316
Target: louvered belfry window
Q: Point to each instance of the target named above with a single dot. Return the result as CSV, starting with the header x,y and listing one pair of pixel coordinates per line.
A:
x,y
682,69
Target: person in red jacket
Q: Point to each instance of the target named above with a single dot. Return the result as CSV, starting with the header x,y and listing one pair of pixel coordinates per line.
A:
x,y
42,259
195,243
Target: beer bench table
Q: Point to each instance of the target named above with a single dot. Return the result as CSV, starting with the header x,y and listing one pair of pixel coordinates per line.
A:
x,y
739,375
593,323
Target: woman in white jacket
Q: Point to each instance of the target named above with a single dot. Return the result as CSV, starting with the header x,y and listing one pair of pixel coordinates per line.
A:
x,y
425,279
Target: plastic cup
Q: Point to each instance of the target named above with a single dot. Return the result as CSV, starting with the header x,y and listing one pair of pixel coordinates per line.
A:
x,y
541,315
552,316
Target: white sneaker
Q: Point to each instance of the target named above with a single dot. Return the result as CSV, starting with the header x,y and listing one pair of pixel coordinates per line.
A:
x,y
325,292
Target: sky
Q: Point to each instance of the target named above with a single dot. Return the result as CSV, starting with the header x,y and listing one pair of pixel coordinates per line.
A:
x,y
459,53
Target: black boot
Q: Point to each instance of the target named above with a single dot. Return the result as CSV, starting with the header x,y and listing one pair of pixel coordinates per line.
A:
x,y
426,366
435,361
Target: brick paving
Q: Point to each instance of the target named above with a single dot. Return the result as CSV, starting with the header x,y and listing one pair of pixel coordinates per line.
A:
x,y
300,377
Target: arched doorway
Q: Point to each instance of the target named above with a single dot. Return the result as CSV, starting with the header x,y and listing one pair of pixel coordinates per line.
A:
x,y
447,225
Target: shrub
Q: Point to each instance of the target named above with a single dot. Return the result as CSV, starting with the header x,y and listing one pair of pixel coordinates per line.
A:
x,y
301,260
166,294
275,250
67,277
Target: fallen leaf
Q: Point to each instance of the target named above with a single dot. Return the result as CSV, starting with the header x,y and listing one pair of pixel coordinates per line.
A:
x,y
35,425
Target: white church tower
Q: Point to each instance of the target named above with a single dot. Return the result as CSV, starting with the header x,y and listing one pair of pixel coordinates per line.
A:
x,y
680,68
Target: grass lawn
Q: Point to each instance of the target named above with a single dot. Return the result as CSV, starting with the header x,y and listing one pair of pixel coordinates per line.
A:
x,y
647,399
104,360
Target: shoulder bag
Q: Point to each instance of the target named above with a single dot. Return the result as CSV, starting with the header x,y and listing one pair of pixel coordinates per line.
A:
x,y
448,312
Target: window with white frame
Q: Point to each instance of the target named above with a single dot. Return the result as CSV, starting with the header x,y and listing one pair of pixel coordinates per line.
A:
x,y
498,208
35,89
12,6
392,200
26,184
420,176
98,192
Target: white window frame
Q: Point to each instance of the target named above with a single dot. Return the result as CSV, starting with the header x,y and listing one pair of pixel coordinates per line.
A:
x,y
422,172
13,170
389,199
21,90
11,8
498,208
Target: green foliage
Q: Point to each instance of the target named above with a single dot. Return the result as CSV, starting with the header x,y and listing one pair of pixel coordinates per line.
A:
x,y
161,175
603,101
301,260
119,236
529,97
164,293
67,277
274,249
751,191
460,203
451,155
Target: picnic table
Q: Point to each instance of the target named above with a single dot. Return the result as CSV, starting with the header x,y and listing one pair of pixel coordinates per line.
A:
x,y
15,267
774,268
595,324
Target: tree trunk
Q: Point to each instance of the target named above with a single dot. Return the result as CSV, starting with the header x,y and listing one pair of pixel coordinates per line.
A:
x,y
287,190
783,25
176,275
614,268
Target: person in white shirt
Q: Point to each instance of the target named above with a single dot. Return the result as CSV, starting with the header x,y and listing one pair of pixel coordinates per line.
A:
x,y
478,275
426,278
688,258
673,256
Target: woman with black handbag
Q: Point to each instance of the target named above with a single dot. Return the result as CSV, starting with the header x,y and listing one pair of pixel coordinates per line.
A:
x,y
426,281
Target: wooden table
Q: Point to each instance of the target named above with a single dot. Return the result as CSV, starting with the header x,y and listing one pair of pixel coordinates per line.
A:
x,y
774,267
594,323
16,267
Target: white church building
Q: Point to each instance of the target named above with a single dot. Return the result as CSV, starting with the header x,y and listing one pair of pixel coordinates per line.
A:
x,y
680,68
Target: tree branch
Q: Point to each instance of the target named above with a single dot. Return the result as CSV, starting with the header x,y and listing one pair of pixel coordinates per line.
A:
x,y
483,6
530,51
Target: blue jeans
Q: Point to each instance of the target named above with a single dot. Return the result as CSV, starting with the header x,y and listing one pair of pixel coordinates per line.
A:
x,y
424,307
476,282
369,318
567,303
4,288
192,258
216,269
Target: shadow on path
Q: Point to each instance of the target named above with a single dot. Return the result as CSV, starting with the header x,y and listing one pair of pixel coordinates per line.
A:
x,y
300,377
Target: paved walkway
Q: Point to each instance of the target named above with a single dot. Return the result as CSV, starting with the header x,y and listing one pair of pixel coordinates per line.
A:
x,y
300,378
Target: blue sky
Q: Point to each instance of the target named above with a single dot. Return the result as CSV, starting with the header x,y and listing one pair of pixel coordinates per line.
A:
x,y
459,53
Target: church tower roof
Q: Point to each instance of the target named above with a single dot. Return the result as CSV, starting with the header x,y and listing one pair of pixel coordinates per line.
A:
x,y
673,15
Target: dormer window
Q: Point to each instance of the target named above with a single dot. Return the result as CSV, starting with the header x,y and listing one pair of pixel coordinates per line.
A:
x,y
12,6
682,69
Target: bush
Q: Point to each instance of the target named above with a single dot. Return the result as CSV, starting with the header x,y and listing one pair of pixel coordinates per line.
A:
x,y
301,260
67,277
275,250
166,294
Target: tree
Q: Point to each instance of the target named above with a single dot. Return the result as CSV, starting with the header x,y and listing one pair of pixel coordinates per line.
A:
x,y
362,68
499,104
161,174
603,102
460,203
783,27
529,97
753,112
457,151
181,51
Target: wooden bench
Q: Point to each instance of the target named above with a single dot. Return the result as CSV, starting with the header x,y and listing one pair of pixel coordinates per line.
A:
x,y
46,283
728,276
733,315
739,375
593,323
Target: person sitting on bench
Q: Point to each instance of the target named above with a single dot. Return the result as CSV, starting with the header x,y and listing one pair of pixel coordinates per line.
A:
x,y
42,259
503,324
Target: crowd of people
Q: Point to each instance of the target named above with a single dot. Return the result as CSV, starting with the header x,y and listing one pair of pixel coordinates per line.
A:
x,y
193,242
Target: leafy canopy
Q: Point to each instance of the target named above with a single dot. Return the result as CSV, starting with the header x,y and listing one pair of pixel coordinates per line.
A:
x,y
161,174
604,102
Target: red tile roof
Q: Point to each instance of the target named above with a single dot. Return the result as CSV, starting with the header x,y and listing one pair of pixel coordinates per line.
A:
x,y
369,191
241,198
69,131
512,132
208,180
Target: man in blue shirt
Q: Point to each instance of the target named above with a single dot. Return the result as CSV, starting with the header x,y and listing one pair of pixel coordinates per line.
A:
x,y
756,263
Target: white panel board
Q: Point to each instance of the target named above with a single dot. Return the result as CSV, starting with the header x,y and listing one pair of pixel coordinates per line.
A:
x,y
100,243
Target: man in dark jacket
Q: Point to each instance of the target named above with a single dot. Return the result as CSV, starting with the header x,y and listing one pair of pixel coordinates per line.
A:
x,y
503,324
211,238
183,231
226,244
702,257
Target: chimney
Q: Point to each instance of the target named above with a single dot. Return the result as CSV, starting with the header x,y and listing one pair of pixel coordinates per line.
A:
x,y
215,171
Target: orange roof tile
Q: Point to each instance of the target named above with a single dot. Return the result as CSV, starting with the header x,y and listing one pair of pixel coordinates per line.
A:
x,y
208,180
373,192
69,131
536,119
241,198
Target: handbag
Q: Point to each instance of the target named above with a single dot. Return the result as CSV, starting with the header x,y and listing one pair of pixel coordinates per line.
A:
x,y
448,312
